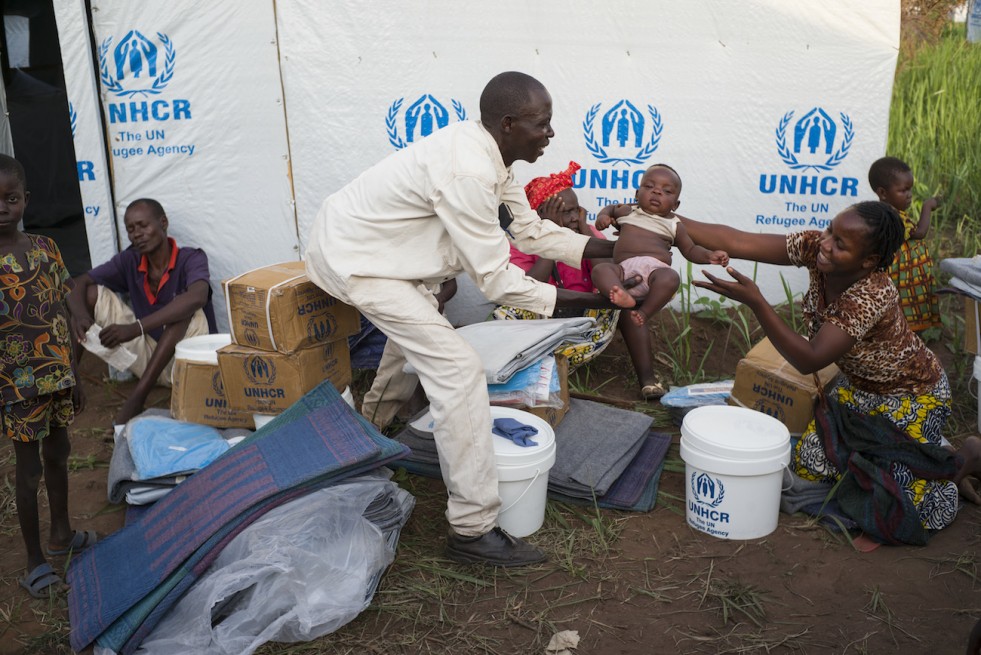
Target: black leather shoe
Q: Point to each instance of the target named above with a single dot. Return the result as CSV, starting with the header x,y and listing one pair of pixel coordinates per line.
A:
x,y
496,548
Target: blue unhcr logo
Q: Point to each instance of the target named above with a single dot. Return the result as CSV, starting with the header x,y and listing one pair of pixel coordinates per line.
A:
x,y
259,370
84,168
136,66
707,490
421,118
623,128
815,140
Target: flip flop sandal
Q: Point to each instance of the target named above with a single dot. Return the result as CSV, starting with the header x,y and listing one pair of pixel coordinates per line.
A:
x,y
653,391
41,582
80,541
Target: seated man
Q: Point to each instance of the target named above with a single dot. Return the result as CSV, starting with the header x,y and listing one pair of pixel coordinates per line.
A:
x,y
170,294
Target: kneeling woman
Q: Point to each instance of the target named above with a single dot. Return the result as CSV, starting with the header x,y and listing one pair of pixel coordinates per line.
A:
x,y
853,318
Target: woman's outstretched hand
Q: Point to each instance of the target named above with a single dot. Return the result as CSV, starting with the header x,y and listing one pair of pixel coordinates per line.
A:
x,y
741,288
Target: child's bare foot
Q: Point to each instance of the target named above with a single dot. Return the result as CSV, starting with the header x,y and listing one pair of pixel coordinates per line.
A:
x,y
638,317
621,298
971,452
969,490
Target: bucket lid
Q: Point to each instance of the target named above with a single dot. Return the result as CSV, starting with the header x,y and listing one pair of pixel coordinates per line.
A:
x,y
735,433
509,453
203,348
506,452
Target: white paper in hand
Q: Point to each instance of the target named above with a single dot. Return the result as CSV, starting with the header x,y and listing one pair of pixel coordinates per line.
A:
x,y
118,357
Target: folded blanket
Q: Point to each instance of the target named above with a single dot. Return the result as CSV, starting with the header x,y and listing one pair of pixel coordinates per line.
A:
x,y
594,444
967,269
506,347
965,288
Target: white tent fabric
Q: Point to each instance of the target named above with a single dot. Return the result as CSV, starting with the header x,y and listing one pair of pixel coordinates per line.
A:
x,y
88,134
771,111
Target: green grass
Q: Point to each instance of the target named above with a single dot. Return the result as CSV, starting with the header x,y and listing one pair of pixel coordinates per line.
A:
x,y
934,127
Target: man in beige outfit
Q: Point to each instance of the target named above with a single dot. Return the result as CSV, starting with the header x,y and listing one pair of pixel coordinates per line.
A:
x,y
418,218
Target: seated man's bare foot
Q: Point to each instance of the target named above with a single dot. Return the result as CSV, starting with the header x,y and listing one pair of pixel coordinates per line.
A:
x,y
621,298
638,317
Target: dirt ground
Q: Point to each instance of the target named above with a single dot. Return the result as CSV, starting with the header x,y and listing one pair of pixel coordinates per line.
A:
x,y
629,583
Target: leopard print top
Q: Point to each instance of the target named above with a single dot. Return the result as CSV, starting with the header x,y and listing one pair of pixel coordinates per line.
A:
x,y
888,358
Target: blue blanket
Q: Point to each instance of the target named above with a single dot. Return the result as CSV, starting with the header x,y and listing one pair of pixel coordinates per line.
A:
x,y
128,580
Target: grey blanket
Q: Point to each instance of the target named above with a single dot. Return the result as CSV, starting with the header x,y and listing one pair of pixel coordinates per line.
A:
x,y
594,444
967,269
506,347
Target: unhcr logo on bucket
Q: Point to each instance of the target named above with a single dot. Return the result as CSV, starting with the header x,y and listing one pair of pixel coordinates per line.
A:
x,y
622,136
420,119
707,493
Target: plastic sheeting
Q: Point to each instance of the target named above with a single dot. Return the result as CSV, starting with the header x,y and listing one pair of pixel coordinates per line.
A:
x,y
298,573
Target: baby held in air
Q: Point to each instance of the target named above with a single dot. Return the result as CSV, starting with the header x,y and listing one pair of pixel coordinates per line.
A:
x,y
648,230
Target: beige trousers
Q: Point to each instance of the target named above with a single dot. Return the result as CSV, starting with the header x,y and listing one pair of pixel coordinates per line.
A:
x,y
391,388
109,309
452,376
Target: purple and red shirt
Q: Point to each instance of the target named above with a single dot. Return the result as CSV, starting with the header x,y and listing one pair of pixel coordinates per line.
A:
x,y
126,273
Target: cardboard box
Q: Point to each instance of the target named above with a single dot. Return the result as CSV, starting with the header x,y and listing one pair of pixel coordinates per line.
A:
x,y
767,383
278,308
972,326
198,396
266,382
552,415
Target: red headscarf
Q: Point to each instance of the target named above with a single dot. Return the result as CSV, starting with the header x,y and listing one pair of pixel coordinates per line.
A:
x,y
542,188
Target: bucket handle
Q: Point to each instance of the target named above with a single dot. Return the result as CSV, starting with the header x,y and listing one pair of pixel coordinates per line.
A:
x,y
518,499
786,467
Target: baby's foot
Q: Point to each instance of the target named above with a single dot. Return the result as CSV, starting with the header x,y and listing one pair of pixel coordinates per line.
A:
x,y
621,298
638,317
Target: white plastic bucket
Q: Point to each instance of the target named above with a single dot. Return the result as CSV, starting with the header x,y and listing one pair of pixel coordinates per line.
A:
x,y
522,473
734,460
262,419
203,349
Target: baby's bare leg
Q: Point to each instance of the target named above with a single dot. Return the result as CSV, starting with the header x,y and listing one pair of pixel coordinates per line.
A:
x,y
608,279
664,283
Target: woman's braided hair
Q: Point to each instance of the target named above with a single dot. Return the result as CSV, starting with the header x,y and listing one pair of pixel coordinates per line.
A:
x,y
886,232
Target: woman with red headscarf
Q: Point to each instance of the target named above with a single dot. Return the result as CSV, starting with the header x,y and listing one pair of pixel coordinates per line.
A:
x,y
554,200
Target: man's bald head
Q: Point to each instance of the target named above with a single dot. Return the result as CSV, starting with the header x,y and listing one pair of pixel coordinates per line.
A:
x,y
506,94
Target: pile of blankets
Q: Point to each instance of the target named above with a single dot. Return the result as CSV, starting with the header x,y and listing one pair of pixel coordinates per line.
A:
x,y
603,455
125,584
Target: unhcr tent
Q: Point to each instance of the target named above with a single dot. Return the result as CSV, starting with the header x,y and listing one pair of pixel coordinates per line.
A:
x,y
241,116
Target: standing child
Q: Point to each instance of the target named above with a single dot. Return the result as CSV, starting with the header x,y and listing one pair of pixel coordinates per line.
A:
x,y
912,272
647,233
37,384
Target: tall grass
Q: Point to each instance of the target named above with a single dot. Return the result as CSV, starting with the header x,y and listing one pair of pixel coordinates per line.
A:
x,y
935,127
